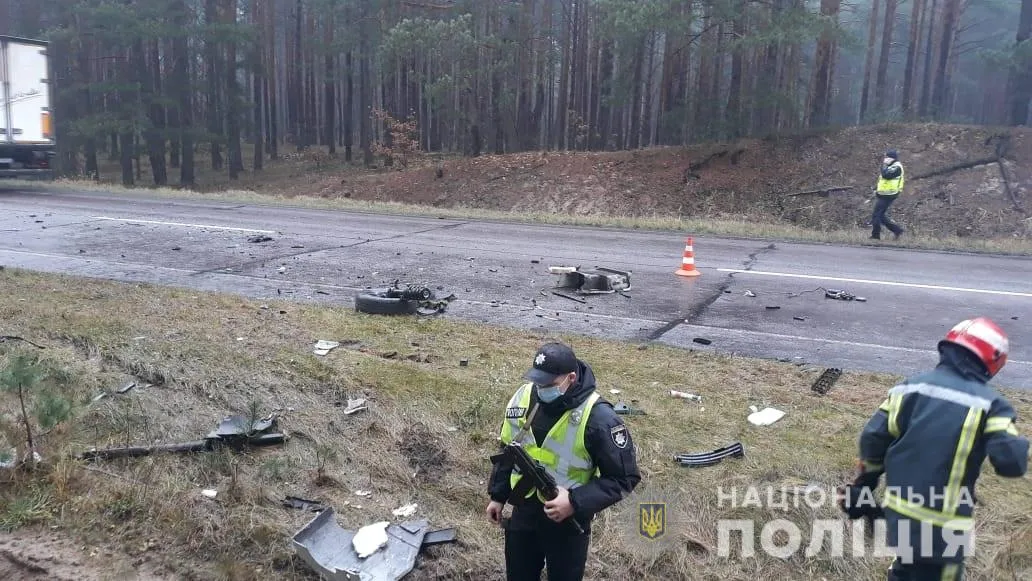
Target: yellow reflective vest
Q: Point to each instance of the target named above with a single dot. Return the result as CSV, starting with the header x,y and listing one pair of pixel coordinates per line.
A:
x,y
562,453
891,187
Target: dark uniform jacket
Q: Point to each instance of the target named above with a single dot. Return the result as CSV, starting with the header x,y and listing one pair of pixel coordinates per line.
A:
x,y
606,439
930,438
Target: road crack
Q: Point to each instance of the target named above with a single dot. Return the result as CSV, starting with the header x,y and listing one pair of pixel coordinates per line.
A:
x,y
696,311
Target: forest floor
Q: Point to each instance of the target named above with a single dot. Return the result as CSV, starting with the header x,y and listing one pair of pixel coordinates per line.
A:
x,y
968,187
429,427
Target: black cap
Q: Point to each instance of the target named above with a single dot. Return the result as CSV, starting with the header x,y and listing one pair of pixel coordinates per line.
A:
x,y
551,361
892,153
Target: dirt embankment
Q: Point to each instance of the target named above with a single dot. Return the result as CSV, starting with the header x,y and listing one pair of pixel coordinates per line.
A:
x,y
961,180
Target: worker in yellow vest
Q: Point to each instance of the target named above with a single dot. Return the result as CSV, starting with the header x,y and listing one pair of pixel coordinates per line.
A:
x,y
890,186
561,422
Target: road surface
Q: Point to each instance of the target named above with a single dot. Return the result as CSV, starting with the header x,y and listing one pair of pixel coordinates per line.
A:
x,y
499,272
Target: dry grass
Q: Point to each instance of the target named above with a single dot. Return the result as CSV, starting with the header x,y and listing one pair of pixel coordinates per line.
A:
x,y
424,439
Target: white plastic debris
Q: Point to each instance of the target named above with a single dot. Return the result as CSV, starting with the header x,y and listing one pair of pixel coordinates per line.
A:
x,y
765,417
614,391
210,493
407,510
370,538
355,405
749,293
363,492
322,346
685,395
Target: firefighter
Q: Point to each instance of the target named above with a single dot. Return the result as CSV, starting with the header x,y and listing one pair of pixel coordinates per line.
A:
x,y
929,438
582,443
890,186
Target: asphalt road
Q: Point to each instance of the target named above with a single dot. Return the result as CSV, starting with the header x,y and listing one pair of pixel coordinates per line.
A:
x,y
499,272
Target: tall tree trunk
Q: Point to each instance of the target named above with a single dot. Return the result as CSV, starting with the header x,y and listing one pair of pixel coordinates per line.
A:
x,y
881,87
330,83
821,105
272,79
349,95
214,70
259,80
182,17
733,117
949,27
872,36
236,161
909,69
156,112
1020,82
930,47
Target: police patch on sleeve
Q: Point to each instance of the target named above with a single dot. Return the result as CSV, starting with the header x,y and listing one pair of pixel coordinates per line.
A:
x,y
515,413
620,436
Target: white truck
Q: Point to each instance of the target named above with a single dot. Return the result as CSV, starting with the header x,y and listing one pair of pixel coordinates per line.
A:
x,y
27,145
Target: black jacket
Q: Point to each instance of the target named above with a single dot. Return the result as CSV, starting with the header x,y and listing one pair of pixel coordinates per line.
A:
x,y
618,465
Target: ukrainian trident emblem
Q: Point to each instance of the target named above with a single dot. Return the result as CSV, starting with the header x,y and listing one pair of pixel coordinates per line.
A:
x,y
652,519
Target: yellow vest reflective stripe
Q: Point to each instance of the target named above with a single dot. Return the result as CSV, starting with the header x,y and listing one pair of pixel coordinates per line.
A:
x,y
893,186
562,453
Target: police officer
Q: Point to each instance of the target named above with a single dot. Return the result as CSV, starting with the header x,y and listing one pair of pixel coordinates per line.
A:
x,y
582,443
929,438
890,185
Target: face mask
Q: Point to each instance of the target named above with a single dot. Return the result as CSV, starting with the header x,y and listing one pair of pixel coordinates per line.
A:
x,y
888,161
548,394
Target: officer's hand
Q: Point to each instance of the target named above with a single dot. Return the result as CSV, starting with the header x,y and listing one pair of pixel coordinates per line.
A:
x,y
494,511
559,508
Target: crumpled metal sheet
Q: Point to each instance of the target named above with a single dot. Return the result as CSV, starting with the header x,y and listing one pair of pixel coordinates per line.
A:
x,y
236,425
328,549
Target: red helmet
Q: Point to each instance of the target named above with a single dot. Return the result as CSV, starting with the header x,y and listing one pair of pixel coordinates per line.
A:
x,y
985,339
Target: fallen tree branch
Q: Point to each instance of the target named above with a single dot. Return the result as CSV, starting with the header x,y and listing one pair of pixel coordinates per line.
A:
x,y
958,167
822,191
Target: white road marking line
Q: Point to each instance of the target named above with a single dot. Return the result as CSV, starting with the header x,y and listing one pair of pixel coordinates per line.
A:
x,y
713,330
881,282
131,220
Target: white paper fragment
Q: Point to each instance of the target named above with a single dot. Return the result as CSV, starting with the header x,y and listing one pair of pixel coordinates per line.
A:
x,y
614,391
363,492
765,417
322,346
370,538
210,493
355,405
407,510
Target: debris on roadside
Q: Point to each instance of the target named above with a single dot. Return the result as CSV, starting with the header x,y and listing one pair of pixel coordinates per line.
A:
x,y
355,406
600,280
799,318
685,395
376,552
233,432
559,294
702,341
322,346
210,493
303,504
703,459
614,391
394,300
623,409
765,417
257,238
749,293
826,380
842,295
405,511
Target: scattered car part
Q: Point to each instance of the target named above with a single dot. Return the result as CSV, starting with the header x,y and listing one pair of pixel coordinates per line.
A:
x,y
401,301
702,459
626,410
327,548
826,380
765,417
322,347
232,432
440,537
303,504
685,395
257,238
842,295
702,341
598,281
559,294
355,406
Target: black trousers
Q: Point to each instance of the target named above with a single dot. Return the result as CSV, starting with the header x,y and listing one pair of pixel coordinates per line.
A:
x,y
527,552
881,217
925,571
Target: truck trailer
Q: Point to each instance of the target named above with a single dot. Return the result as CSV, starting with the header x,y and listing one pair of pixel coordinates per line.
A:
x,y
27,145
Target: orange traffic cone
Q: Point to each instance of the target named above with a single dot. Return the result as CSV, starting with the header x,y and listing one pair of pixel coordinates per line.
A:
x,y
688,261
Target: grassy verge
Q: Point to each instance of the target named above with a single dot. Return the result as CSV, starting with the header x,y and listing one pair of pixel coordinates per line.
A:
x,y
424,439
730,226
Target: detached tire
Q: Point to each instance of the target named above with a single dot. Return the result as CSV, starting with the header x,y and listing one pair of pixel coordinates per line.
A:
x,y
377,304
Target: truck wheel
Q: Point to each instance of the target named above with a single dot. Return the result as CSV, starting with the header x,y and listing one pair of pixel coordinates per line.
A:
x,y
376,304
